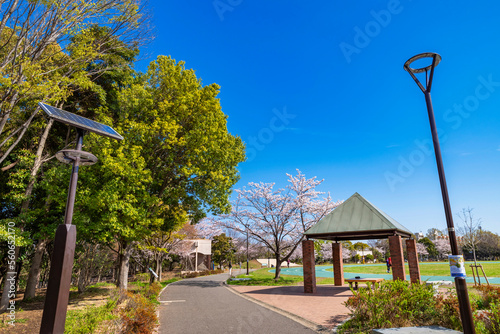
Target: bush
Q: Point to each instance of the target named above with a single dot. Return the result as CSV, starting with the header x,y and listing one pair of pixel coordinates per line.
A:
x,y
488,294
487,319
139,315
399,304
143,277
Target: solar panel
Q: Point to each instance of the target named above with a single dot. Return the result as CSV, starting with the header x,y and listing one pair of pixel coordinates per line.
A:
x,y
79,121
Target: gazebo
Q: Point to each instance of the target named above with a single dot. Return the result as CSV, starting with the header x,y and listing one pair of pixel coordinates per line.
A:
x,y
358,219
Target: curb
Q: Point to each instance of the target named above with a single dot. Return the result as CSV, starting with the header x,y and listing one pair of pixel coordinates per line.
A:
x,y
303,321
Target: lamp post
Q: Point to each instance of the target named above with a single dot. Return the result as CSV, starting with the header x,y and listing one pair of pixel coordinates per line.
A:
x,y
460,283
247,254
57,296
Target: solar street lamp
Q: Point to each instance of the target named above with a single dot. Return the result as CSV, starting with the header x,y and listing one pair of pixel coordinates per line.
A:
x,y
460,283
57,297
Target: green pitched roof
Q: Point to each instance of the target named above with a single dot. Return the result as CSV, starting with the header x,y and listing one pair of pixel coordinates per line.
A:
x,y
356,219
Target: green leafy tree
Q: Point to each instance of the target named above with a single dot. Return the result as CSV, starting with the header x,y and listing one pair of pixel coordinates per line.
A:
x,y
61,48
223,249
42,58
176,163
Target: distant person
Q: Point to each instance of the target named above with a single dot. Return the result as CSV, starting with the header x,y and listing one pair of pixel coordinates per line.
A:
x,y
230,266
388,262
288,263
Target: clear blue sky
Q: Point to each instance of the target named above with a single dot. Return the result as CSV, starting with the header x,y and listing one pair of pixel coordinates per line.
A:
x,y
320,86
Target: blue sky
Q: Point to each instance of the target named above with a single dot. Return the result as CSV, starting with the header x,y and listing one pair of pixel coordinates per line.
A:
x,y
320,86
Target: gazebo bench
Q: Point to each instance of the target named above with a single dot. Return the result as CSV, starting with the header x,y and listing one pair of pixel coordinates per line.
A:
x,y
368,281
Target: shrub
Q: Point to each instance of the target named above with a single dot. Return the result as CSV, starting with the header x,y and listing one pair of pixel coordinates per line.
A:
x,y
487,319
399,304
143,277
139,315
488,294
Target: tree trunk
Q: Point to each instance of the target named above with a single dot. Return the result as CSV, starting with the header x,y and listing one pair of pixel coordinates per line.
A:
x,y
9,279
157,278
35,270
278,266
99,274
124,266
19,267
82,278
160,269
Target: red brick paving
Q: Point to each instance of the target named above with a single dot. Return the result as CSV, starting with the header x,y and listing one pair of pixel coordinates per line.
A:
x,y
324,307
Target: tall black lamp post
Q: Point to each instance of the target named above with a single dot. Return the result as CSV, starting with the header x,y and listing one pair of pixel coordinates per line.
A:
x,y
460,283
57,297
247,254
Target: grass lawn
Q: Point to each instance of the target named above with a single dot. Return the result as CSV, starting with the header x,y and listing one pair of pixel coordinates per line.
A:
x,y
426,269
253,264
264,277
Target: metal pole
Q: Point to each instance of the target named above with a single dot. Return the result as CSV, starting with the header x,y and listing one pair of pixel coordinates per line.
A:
x,y
196,254
70,203
57,297
460,283
461,286
247,254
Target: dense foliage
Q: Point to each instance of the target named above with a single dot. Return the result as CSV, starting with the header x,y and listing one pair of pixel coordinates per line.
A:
x,y
402,304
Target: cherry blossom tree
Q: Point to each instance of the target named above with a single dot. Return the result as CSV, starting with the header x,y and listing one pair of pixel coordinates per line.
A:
x,y
277,218
421,250
327,251
443,247
346,254
206,229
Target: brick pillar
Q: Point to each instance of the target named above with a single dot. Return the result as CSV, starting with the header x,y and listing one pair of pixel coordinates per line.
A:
x,y
308,266
411,250
398,264
338,266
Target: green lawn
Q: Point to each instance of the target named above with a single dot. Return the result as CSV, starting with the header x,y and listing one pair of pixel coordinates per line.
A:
x,y
264,277
426,269
254,264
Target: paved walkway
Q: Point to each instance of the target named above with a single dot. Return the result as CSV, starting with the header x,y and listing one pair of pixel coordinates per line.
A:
x,y
205,305
325,307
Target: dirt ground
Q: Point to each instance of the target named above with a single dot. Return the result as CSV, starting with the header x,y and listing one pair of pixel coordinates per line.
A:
x,y
29,314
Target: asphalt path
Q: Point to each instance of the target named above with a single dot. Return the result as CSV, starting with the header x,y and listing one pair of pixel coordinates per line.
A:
x,y
205,305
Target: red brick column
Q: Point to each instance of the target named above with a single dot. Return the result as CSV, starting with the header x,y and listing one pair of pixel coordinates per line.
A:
x,y
338,265
308,266
398,264
411,250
